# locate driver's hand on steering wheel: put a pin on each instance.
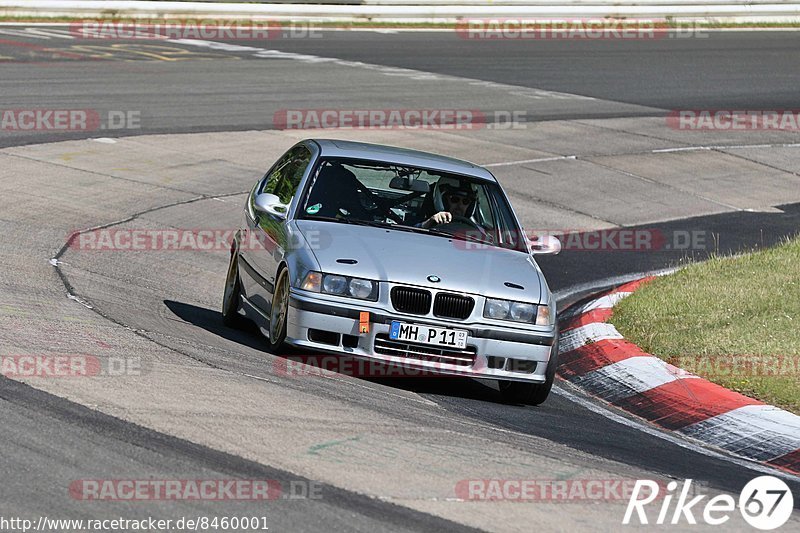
(442, 217)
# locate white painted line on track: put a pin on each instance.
(524, 161)
(79, 300)
(655, 151)
(36, 33)
(724, 147)
(420, 75)
(680, 149)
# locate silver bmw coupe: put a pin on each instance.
(396, 256)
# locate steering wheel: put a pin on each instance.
(381, 205)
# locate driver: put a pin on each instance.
(457, 200)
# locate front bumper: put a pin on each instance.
(512, 354)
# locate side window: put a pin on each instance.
(285, 177)
(509, 233)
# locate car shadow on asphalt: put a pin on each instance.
(250, 336)
(211, 321)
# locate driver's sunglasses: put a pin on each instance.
(465, 200)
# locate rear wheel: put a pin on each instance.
(232, 295)
(279, 311)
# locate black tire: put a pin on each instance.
(280, 303)
(232, 295)
(532, 393)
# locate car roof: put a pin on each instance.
(400, 156)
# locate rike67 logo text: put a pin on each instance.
(765, 503)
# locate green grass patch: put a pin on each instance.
(733, 320)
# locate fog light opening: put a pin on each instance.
(323, 337)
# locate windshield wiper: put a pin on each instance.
(344, 220)
(357, 222)
(388, 225)
(400, 227)
(462, 236)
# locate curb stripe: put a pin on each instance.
(596, 355)
(630, 377)
(760, 432)
(633, 285)
(606, 301)
(595, 315)
(588, 334)
(677, 404)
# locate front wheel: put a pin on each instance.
(525, 393)
(279, 311)
(232, 295)
(532, 393)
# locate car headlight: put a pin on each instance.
(497, 309)
(521, 312)
(517, 312)
(363, 289)
(334, 284)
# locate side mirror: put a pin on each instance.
(545, 245)
(271, 205)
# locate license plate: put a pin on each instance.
(450, 338)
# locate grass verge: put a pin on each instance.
(732, 320)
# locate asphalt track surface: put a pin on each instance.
(180, 88)
(725, 70)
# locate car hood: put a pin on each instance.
(411, 258)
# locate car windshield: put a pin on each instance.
(409, 199)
